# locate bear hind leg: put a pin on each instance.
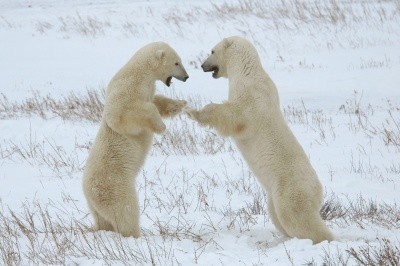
(99, 222)
(125, 217)
(304, 224)
(274, 217)
(127, 223)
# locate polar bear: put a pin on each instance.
(132, 113)
(252, 116)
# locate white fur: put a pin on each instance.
(131, 114)
(253, 118)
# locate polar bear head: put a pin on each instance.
(232, 52)
(163, 61)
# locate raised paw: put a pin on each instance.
(209, 108)
(158, 126)
(198, 116)
(175, 107)
(202, 116)
(192, 113)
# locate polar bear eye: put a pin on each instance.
(212, 51)
(176, 64)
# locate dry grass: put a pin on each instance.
(57, 232)
(46, 153)
(88, 106)
(184, 137)
(90, 26)
(385, 253)
(42, 233)
(391, 128)
(274, 18)
(361, 118)
(361, 212)
(181, 138)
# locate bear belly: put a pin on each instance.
(257, 158)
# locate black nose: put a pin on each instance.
(185, 78)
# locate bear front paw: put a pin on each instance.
(198, 116)
(176, 107)
(159, 127)
(192, 113)
(209, 108)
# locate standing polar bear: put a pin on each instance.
(253, 118)
(131, 115)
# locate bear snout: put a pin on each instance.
(182, 78)
(206, 68)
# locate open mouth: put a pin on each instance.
(181, 78)
(168, 81)
(215, 70)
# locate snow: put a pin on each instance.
(339, 79)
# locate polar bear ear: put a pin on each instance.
(227, 43)
(160, 54)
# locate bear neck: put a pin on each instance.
(244, 69)
(136, 77)
(243, 66)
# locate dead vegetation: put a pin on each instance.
(272, 17)
(384, 252)
(184, 138)
(42, 233)
(62, 161)
(88, 106)
(181, 138)
(59, 232)
(361, 212)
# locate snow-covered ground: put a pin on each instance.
(336, 65)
